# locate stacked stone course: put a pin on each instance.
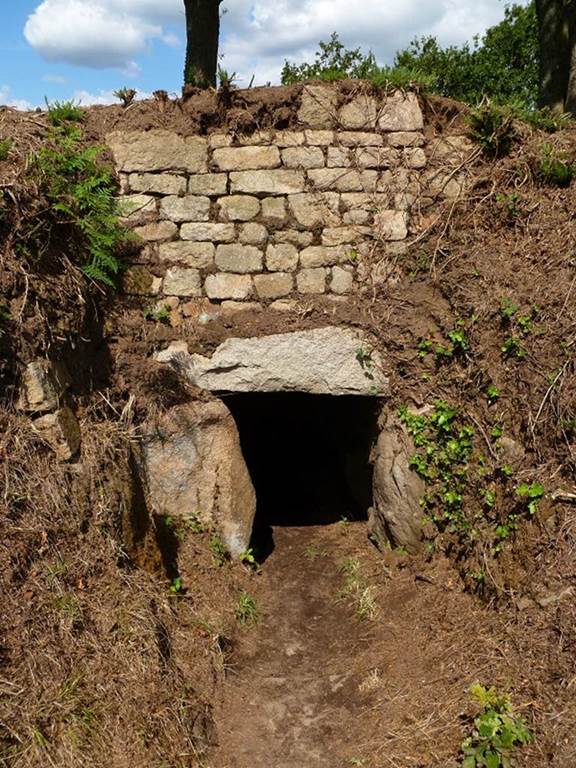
(275, 213)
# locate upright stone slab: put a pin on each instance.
(194, 467)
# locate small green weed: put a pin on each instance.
(497, 731)
(507, 309)
(532, 493)
(492, 394)
(246, 610)
(125, 95)
(313, 552)
(159, 314)
(547, 119)
(554, 167)
(356, 591)
(513, 347)
(5, 147)
(248, 558)
(364, 357)
(62, 112)
(510, 205)
(176, 586)
(227, 80)
(492, 127)
(218, 549)
(458, 344)
(496, 431)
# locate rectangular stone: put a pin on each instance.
(303, 157)
(322, 256)
(181, 281)
(158, 150)
(342, 279)
(188, 208)
(311, 280)
(217, 140)
(156, 231)
(405, 139)
(318, 106)
(198, 255)
(239, 258)
(376, 157)
(238, 207)
(360, 113)
(210, 184)
(273, 286)
(216, 233)
(391, 225)
(254, 139)
(159, 183)
(344, 235)
(415, 158)
(319, 138)
(343, 179)
(360, 139)
(276, 182)
(289, 139)
(274, 211)
(135, 207)
(401, 112)
(315, 210)
(227, 286)
(282, 257)
(246, 158)
(294, 237)
(253, 234)
(338, 157)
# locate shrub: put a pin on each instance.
(497, 731)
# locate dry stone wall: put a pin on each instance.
(279, 213)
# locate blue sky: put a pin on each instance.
(84, 49)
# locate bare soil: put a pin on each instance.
(315, 682)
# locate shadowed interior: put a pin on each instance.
(308, 456)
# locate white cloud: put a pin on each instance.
(58, 79)
(260, 35)
(8, 100)
(87, 99)
(94, 33)
(257, 35)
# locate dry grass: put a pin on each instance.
(102, 665)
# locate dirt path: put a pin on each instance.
(313, 685)
(294, 693)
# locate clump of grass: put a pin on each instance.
(246, 610)
(5, 147)
(553, 167)
(360, 595)
(125, 95)
(492, 127)
(62, 112)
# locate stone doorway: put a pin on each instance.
(308, 457)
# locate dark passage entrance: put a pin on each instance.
(308, 456)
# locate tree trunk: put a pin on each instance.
(202, 31)
(555, 24)
(570, 102)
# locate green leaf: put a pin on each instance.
(492, 760)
